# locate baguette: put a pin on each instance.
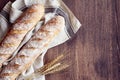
(35, 46)
(21, 27)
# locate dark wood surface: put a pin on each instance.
(95, 51)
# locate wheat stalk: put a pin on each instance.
(56, 69)
(51, 67)
(48, 65)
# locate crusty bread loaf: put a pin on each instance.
(21, 27)
(28, 54)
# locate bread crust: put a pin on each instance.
(35, 46)
(20, 28)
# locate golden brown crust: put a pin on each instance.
(21, 27)
(28, 54)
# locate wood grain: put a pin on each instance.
(95, 51)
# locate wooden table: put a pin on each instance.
(95, 51)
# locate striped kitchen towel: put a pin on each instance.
(12, 11)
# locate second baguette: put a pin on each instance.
(33, 49)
